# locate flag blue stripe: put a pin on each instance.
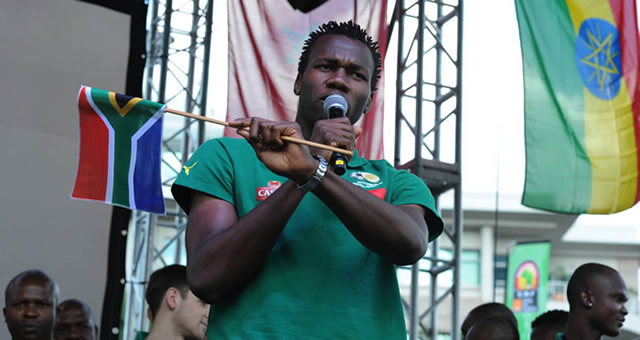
(147, 182)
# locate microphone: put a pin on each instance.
(336, 106)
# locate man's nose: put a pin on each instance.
(31, 311)
(624, 310)
(337, 80)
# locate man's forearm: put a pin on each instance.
(220, 263)
(400, 234)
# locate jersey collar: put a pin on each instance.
(356, 160)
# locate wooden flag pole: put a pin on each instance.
(286, 138)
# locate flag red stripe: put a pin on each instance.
(624, 13)
(93, 163)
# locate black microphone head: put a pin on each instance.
(335, 106)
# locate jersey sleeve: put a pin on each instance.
(410, 189)
(209, 170)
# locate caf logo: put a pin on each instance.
(525, 293)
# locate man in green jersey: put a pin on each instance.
(280, 245)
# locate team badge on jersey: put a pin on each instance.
(263, 192)
(365, 180)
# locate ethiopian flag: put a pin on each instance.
(120, 146)
(582, 105)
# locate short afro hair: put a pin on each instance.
(349, 30)
(555, 319)
(583, 278)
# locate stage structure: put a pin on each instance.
(428, 113)
(428, 108)
(177, 69)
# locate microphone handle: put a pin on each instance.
(338, 160)
(339, 163)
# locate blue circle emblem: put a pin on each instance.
(598, 57)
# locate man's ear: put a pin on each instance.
(367, 106)
(172, 297)
(586, 299)
(297, 85)
(149, 314)
(357, 131)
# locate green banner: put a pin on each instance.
(527, 276)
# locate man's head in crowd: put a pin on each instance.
(30, 300)
(547, 325)
(597, 295)
(172, 305)
(75, 321)
(487, 310)
(493, 328)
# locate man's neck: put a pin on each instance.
(163, 328)
(578, 330)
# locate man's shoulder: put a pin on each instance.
(358, 161)
(141, 335)
(225, 148)
(382, 167)
(226, 142)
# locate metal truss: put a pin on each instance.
(177, 69)
(428, 110)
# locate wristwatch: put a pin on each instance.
(317, 177)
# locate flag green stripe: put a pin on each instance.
(124, 127)
(558, 173)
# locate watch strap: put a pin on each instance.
(317, 177)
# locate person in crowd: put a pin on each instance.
(493, 328)
(547, 325)
(30, 300)
(74, 321)
(597, 295)
(488, 310)
(279, 243)
(174, 311)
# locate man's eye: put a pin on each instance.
(358, 75)
(324, 67)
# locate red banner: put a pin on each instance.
(265, 41)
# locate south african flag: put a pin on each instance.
(120, 146)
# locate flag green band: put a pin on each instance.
(558, 171)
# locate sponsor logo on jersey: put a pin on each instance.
(188, 168)
(263, 192)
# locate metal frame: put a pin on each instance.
(179, 33)
(421, 37)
